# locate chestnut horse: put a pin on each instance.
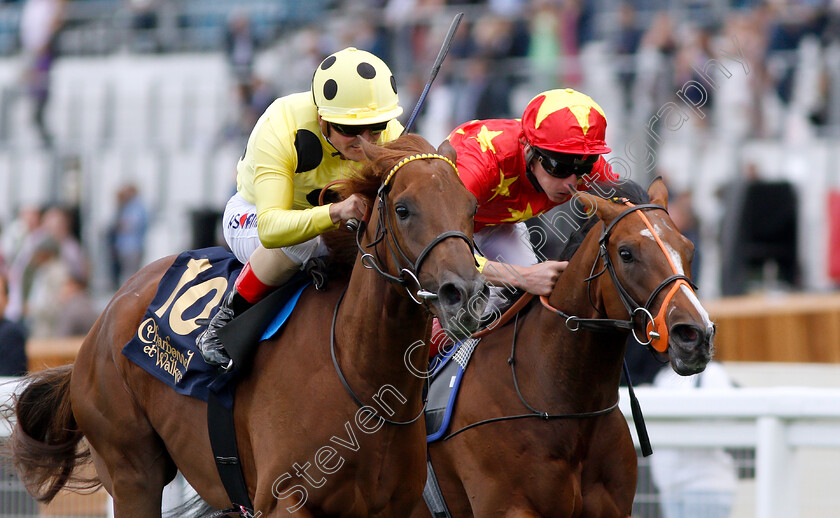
(304, 443)
(565, 449)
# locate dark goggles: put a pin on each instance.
(353, 131)
(561, 165)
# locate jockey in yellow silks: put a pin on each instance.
(302, 142)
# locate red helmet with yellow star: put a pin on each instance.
(565, 121)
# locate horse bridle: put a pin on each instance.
(385, 226)
(399, 257)
(574, 323)
(656, 330)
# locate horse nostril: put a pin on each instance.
(688, 335)
(450, 294)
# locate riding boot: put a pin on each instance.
(247, 291)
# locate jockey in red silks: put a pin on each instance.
(302, 142)
(518, 169)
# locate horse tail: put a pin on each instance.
(45, 441)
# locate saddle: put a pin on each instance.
(190, 291)
(443, 387)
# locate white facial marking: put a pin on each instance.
(699, 307)
(675, 257)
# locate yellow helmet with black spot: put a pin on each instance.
(355, 87)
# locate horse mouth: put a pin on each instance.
(687, 369)
(459, 306)
(686, 362)
(690, 348)
(460, 326)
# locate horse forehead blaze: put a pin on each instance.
(676, 258)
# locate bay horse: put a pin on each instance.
(304, 444)
(555, 444)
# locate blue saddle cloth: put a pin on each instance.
(164, 344)
(443, 387)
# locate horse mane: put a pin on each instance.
(380, 161)
(629, 189)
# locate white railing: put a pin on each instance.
(776, 422)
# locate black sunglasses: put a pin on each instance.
(568, 165)
(353, 131)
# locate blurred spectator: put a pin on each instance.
(262, 95)
(483, 91)
(12, 338)
(39, 27)
(692, 56)
(77, 313)
(481, 94)
(625, 44)
(54, 232)
(759, 247)
(127, 235)
(694, 482)
(240, 50)
(19, 232)
(56, 223)
(784, 34)
(46, 274)
(544, 49)
(366, 32)
(506, 8)
(28, 227)
(654, 69)
(144, 25)
(746, 117)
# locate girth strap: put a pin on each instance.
(221, 425)
(433, 495)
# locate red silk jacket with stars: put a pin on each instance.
(491, 163)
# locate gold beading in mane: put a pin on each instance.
(412, 158)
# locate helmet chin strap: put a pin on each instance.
(327, 138)
(529, 156)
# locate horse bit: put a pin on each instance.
(656, 330)
(575, 323)
(370, 261)
(399, 257)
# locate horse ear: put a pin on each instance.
(605, 209)
(372, 151)
(658, 192)
(446, 149)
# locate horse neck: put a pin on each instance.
(573, 368)
(376, 324)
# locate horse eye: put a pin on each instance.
(402, 211)
(625, 255)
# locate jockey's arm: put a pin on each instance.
(538, 279)
(277, 223)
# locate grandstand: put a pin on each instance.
(164, 118)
